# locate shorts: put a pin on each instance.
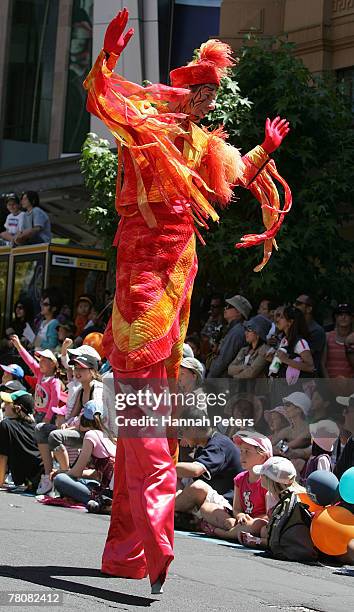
(58, 439)
(213, 497)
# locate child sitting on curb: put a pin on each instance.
(98, 452)
(249, 504)
(277, 475)
(323, 436)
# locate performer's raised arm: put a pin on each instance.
(117, 101)
(259, 170)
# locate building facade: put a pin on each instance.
(323, 30)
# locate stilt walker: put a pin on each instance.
(173, 171)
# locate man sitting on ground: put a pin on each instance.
(210, 475)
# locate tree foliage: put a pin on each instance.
(316, 159)
(99, 167)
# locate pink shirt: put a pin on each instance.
(47, 391)
(252, 495)
(102, 445)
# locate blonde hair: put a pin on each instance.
(261, 451)
(96, 375)
(277, 488)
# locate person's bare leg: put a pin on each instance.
(193, 495)
(216, 516)
(257, 525)
(234, 532)
(46, 458)
(62, 457)
(228, 534)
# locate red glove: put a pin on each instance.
(275, 131)
(115, 41)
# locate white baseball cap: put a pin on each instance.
(345, 400)
(191, 363)
(187, 350)
(254, 439)
(46, 353)
(278, 469)
(84, 349)
(324, 433)
(299, 399)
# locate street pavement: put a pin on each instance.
(57, 550)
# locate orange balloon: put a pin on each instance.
(332, 529)
(305, 499)
(95, 340)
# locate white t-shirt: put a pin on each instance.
(14, 223)
(299, 348)
(324, 463)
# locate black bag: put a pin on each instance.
(288, 531)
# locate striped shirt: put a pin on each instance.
(337, 363)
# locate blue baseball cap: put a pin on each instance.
(91, 408)
(13, 369)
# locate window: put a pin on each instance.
(77, 119)
(194, 22)
(30, 70)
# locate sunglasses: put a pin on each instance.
(45, 303)
(228, 306)
(249, 329)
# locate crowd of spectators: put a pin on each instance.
(289, 409)
(26, 222)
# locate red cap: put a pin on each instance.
(210, 66)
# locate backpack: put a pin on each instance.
(288, 531)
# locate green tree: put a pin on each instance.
(316, 159)
(99, 167)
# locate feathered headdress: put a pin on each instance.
(213, 59)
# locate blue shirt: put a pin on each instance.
(221, 458)
(37, 218)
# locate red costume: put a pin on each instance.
(173, 170)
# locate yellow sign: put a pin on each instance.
(92, 264)
(79, 262)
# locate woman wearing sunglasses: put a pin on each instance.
(47, 335)
(250, 361)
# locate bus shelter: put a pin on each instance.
(26, 270)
